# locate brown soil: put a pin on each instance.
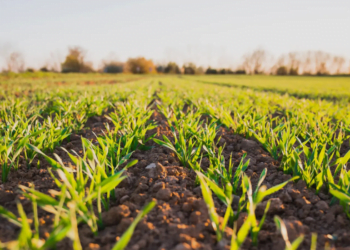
(180, 219)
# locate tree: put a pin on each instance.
(321, 59)
(240, 72)
(160, 68)
(219, 71)
(294, 63)
(200, 71)
(282, 71)
(75, 61)
(307, 63)
(54, 62)
(190, 69)
(30, 70)
(44, 69)
(222, 71)
(338, 64)
(211, 71)
(140, 65)
(253, 62)
(172, 68)
(113, 67)
(15, 62)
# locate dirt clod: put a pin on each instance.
(322, 205)
(183, 246)
(164, 194)
(114, 215)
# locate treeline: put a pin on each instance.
(258, 62)
(295, 63)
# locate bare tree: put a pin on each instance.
(338, 64)
(307, 63)
(253, 62)
(55, 61)
(282, 61)
(280, 67)
(15, 62)
(294, 63)
(321, 59)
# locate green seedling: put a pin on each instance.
(283, 229)
(219, 227)
(187, 151)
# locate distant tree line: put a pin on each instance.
(257, 62)
(295, 63)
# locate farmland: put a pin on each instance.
(94, 161)
(328, 87)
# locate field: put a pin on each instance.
(94, 161)
(327, 87)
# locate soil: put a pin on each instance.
(180, 220)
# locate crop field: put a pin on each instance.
(97, 161)
(326, 88)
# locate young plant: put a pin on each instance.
(187, 151)
(283, 229)
(83, 186)
(6, 160)
(257, 196)
(29, 240)
(219, 227)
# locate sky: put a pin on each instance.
(216, 33)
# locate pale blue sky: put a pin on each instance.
(205, 32)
